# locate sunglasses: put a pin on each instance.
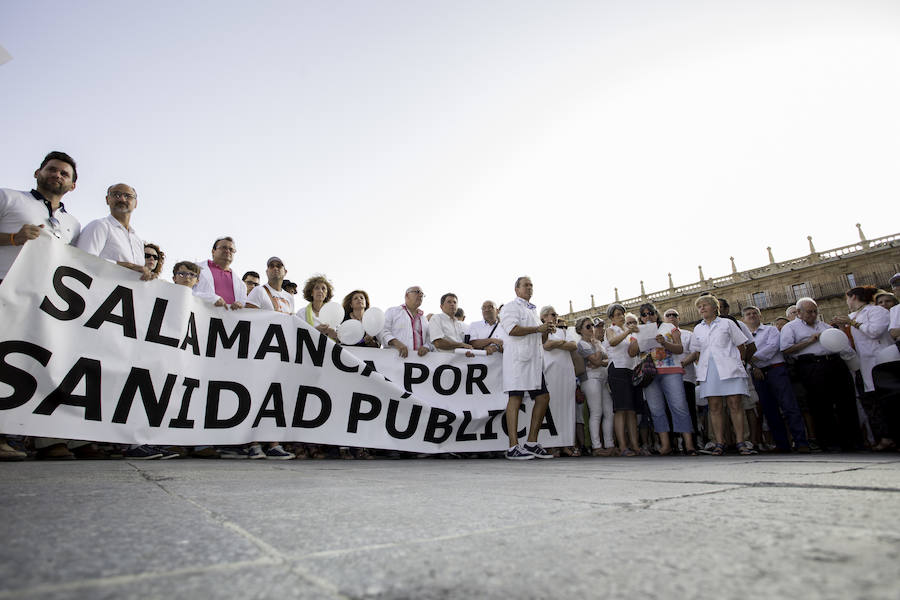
(153, 256)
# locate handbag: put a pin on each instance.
(642, 375)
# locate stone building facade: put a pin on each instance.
(825, 276)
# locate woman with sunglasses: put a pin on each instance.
(667, 387)
(593, 385)
(153, 258)
(622, 352)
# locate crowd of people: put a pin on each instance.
(643, 384)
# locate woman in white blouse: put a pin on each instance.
(622, 351)
(868, 325)
(593, 384)
(720, 371)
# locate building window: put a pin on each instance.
(800, 290)
(760, 300)
(851, 280)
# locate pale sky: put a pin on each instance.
(457, 145)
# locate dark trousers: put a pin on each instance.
(690, 394)
(776, 392)
(832, 400)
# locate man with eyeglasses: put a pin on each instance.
(828, 383)
(113, 237)
(405, 326)
(185, 273)
(23, 216)
(217, 282)
(251, 280)
(487, 335)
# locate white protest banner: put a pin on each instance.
(88, 351)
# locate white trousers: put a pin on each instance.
(600, 405)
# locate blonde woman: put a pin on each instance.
(721, 372)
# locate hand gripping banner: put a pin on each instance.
(88, 351)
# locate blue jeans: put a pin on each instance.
(668, 388)
(776, 391)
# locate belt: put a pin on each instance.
(767, 367)
(813, 358)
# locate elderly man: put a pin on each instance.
(445, 331)
(23, 215)
(523, 369)
(217, 283)
(829, 386)
(773, 385)
(113, 237)
(405, 326)
(487, 334)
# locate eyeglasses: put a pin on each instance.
(416, 292)
(553, 314)
(252, 283)
(648, 314)
(185, 274)
(153, 256)
(672, 315)
(121, 195)
(589, 326)
(231, 249)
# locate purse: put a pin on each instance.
(642, 375)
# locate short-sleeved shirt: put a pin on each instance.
(109, 239)
(442, 326)
(797, 331)
(481, 330)
(22, 208)
(586, 349)
(618, 354)
(522, 354)
(719, 340)
(687, 339)
(284, 300)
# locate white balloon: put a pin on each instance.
(332, 314)
(834, 340)
(350, 332)
(373, 321)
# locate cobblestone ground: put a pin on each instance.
(818, 526)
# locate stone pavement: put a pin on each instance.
(817, 526)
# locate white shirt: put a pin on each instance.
(690, 371)
(523, 359)
(719, 340)
(870, 337)
(398, 324)
(259, 298)
(21, 208)
(447, 328)
(586, 349)
(797, 331)
(109, 239)
(481, 330)
(618, 354)
(768, 346)
(205, 287)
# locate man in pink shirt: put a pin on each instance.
(217, 282)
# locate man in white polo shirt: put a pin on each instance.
(23, 216)
(487, 335)
(523, 369)
(270, 295)
(829, 385)
(444, 329)
(113, 237)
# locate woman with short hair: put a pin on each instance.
(593, 385)
(622, 352)
(317, 291)
(720, 371)
(667, 387)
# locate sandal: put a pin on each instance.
(718, 450)
(691, 452)
(576, 452)
(628, 452)
(746, 449)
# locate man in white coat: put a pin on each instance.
(523, 371)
